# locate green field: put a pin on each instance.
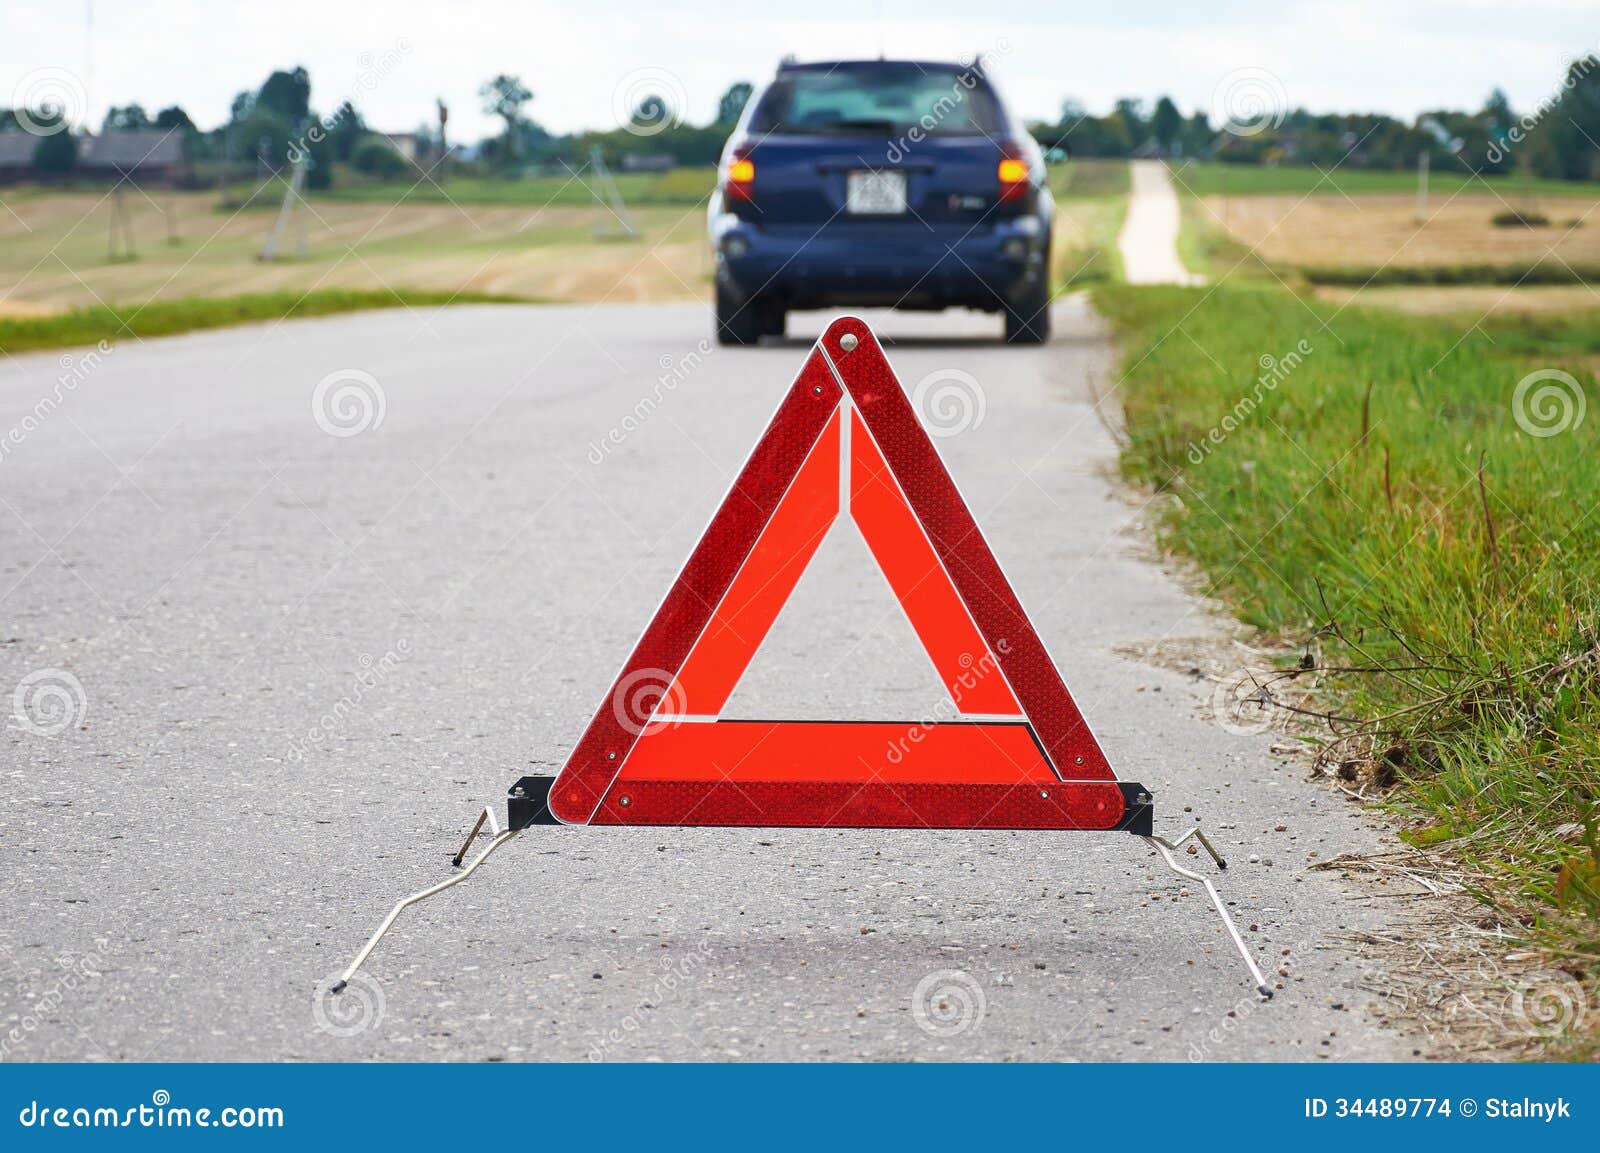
(1091, 203)
(1382, 510)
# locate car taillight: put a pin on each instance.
(1013, 175)
(740, 182)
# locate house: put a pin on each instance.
(408, 144)
(145, 154)
(148, 155)
(16, 156)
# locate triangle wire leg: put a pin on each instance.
(405, 902)
(1165, 848)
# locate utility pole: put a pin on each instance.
(291, 196)
(1422, 186)
(613, 194)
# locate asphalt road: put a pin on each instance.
(306, 659)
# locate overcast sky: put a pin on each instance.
(586, 62)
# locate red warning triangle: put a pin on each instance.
(1019, 754)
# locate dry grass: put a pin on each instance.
(54, 251)
(1473, 301)
(1372, 231)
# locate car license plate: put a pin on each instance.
(875, 193)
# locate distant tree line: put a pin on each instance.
(1558, 138)
(277, 123)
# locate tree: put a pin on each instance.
(125, 119)
(504, 97)
(345, 130)
(1131, 113)
(1166, 123)
(378, 158)
(288, 94)
(651, 112)
(175, 117)
(57, 152)
(733, 102)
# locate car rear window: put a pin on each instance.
(879, 98)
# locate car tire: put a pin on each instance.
(775, 321)
(738, 322)
(1028, 316)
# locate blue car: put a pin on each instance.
(880, 183)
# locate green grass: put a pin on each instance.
(163, 318)
(1212, 179)
(1454, 614)
(1089, 178)
(1545, 272)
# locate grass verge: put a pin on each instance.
(166, 317)
(1544, 272)
(1391, 494)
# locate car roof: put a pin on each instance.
(830, 65)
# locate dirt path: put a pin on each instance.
(1149, 239)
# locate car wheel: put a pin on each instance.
(775, 321)
(738, 322)
(1028, 316)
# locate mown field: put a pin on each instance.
(546, 238)
(1212, 179)
(1360, 236)
(1421, 535)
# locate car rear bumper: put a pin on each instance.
(898, 265)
